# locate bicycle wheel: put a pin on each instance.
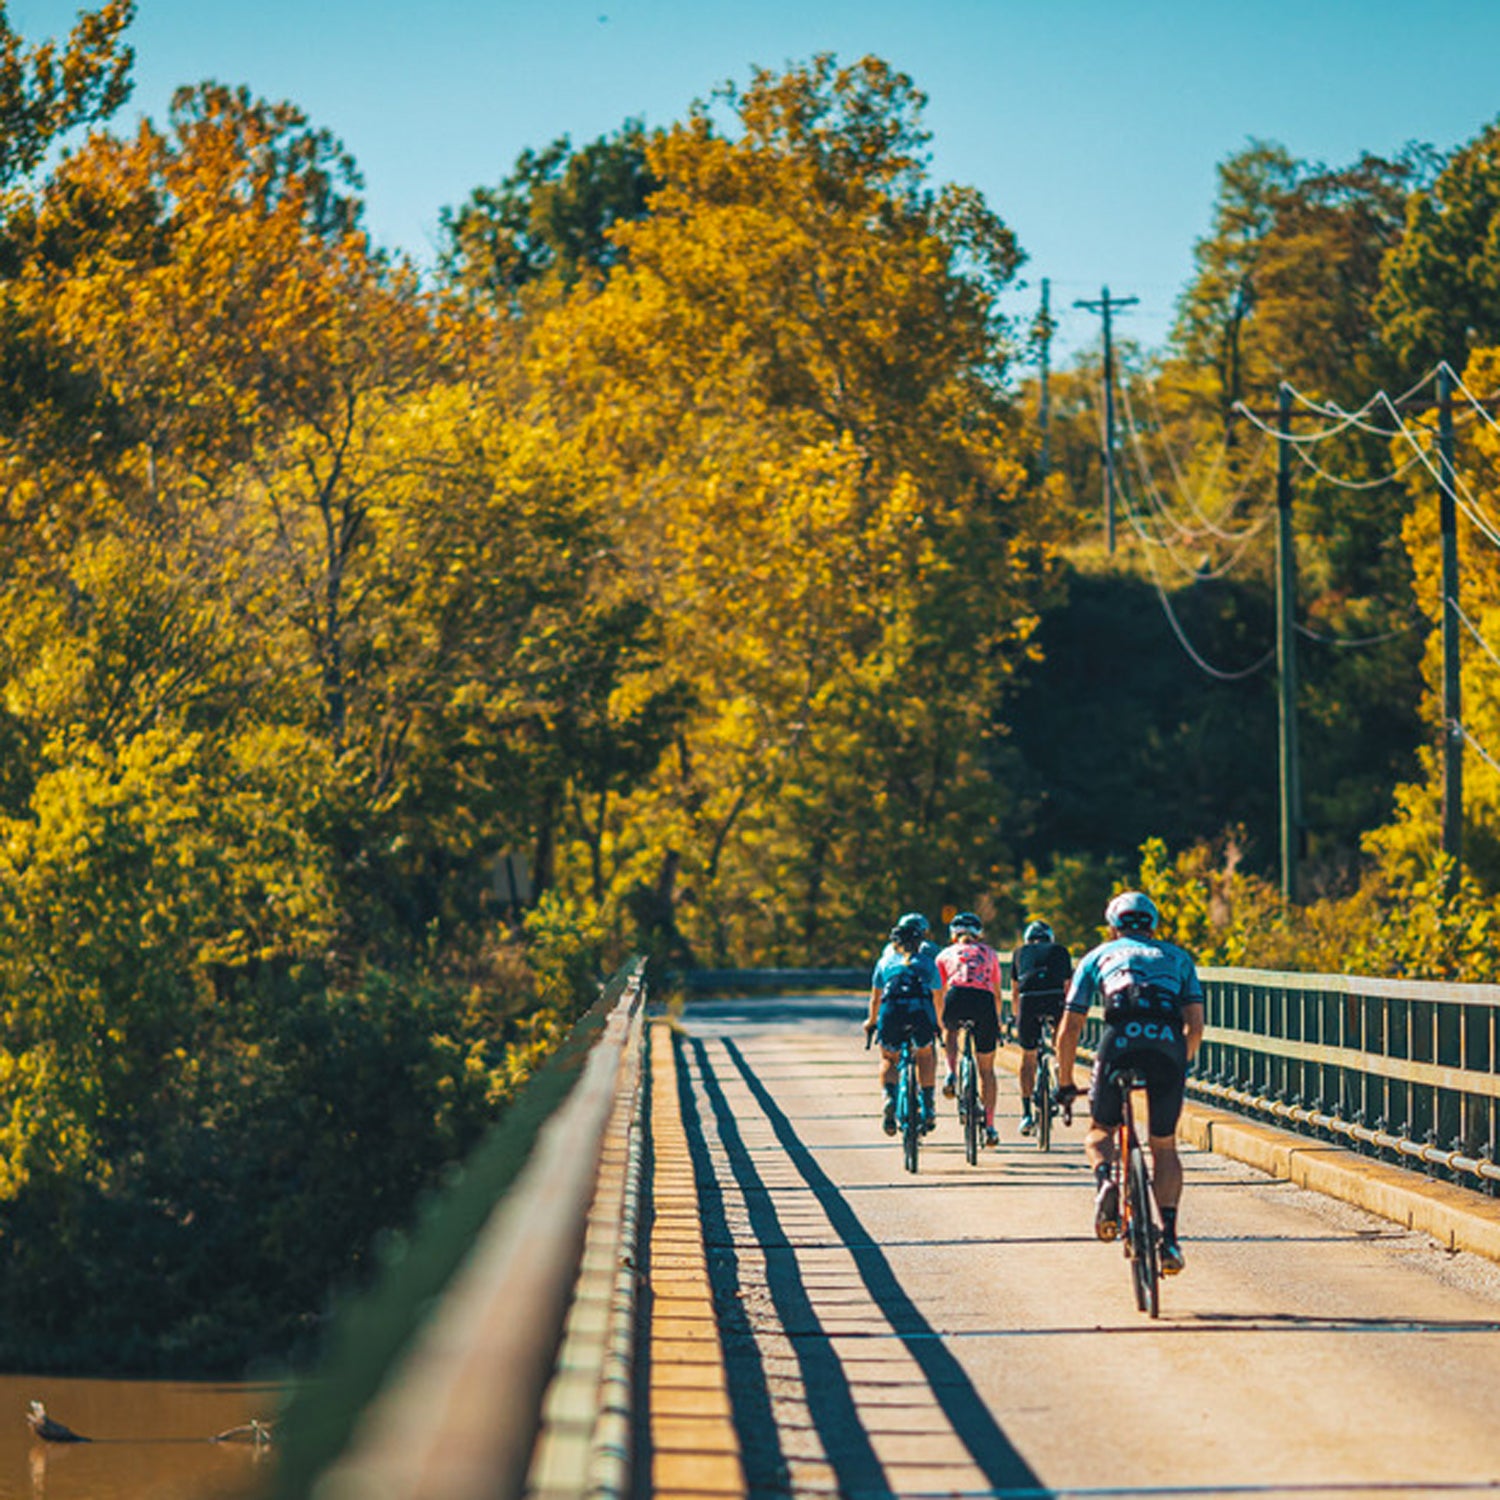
(1143, 1257)
(1041, 1102)
(973, 1114)
(911, 1116)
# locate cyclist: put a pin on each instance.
(970, 974)
(1039, 973)
(1153, 1020)
(901, 990)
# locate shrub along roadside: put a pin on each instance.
(372, 1331)
(284, 1148)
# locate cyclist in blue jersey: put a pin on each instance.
(1153, 1021)
(902, 985)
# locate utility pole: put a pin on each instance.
(1044, 340)
(1104, 306)
(1453, 735)
(1286, 650)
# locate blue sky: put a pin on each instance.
(1092, 128)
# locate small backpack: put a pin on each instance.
(906, 987)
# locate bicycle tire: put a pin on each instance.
(973, 1114)
(911, 1116)
(1041, 1102)
(1143, 1258)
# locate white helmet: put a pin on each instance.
(1132, 911)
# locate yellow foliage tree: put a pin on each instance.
(1409, 846)
(789, 389)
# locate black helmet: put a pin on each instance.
(909, 931)
(1037, 932)
(965, 922)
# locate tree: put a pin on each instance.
(201, 276)
(1283, 293)
(551, 216)
(44, 93)
(1283, 286)
(1440, 285)
(1408, 847)
(790, 390)
(1214, 310)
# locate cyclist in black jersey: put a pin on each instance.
(1040, 969)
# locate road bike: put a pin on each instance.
(1139, 1231)
(908, 1099)
(970, 1109)
(1043, 1105)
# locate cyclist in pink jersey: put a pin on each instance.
(970, 972)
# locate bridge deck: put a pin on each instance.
(827, 1323)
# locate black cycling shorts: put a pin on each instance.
(1034, 1008)
(966, 1003)
(893, 1023)
(1165, 1070)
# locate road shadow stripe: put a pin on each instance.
(745, 1375)
(971, 1420)
(826, 1389)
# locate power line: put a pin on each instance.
(1473, 630)
(1187, 645)
(1447, 480)
(1156, 495)
(1473, 744)
(1219, 461)
(1350, 643)
(1309, 462)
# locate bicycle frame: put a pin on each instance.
(908, 1103)
(1042, 1105)
(908, 1099)
(970, 1104)
(1139, 1233)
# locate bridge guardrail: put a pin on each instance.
(783, 981)
(521, 1348)
(1405, 1069)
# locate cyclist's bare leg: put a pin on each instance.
(887, 1069)
(987, 1085)
(1099, 1146)
(1166, 1171)
(1026, 1079)
(950, 1045)
(927, 1066)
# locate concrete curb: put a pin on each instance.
(1455, 1217)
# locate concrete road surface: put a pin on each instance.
(962, 1332)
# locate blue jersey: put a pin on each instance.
(891, 959)
(1114, 970)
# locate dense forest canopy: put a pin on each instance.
(684, 538)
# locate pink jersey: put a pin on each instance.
(970, 965)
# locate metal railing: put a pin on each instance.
(1400, 1068)
(1404, 1069)
(750, 981)
(517, 1375)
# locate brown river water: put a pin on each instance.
(151, 1440)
